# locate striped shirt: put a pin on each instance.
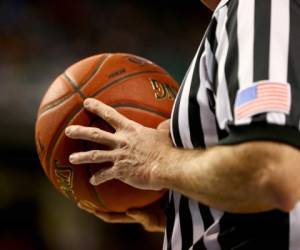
(243, 84)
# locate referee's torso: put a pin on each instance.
(250, 46)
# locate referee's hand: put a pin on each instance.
(151, 217)
(138, 153)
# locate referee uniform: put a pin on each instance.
(243, 85)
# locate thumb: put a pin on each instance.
(165, 125)
(138, 215)
(148, 221)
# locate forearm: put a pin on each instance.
(249, 177)
(231, 178)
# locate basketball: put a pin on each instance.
(135, 87)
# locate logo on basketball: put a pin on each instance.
(163, 90)
(64, 176)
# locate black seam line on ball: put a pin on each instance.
(54, 104)
(97, 68)
(58, 134)
(93, 189)
(99, 65)
(74, 85)
(125, 78)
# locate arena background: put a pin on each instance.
(38, 40)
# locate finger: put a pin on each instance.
(103, 175)
(93, 156)
(93, 134)
(149, 221)
(114, 217)
(107, 113)
(89, 210)
(138, 216)
(165, 125)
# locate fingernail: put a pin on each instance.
(68, 131)
(87, 102)
(71, 158)
(132, 212)
(93, 180)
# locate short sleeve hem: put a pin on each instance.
(262, 132)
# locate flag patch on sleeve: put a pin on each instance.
(262, 97)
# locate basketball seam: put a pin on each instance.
(97, 195)
(88, 170)
(53, 142)
(74, 85)
(54, 104)
(109, 84)
(94, 72)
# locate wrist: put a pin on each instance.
(168, 169)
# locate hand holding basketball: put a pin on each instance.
(136, 88)
(135, 150)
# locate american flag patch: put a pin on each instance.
(262, 97)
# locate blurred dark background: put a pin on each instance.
(38, 40)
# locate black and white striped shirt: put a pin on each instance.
(248, 44)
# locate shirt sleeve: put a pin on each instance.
(257, 79)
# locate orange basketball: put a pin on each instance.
(137, 88)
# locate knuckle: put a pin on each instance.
(94, 155)
(96, 105)
(119, 174)
(106, 114)
(132, 127)
(105, 219)
(78, 130)
(122, 143)
(120, 155)
(101, 175)
(94, 134)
